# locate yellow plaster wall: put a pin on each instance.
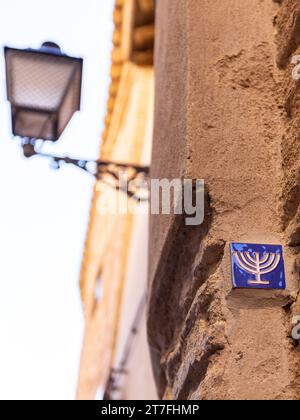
(110, 240)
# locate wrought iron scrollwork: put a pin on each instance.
(126, 177)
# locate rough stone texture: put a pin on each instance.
(226, 111)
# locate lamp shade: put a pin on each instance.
(44, 89)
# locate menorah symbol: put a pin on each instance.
(253, 264)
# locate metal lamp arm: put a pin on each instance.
(97, 168)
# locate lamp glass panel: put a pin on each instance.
(34, 125)
(37, 81)
(70, 102)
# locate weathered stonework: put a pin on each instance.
(228, 111)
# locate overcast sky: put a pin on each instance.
(44, 213)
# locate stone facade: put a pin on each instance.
(227, 110)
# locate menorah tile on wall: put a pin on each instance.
(256, 266)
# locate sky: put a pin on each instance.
(44, 213)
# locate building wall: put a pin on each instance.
(226, 111)
(138, 384)
(115, 361)
(114, 248)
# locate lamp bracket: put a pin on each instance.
(119, 176)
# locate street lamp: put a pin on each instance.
(44, 90)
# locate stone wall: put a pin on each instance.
(227, 111)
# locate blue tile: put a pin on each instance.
(256, 266)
